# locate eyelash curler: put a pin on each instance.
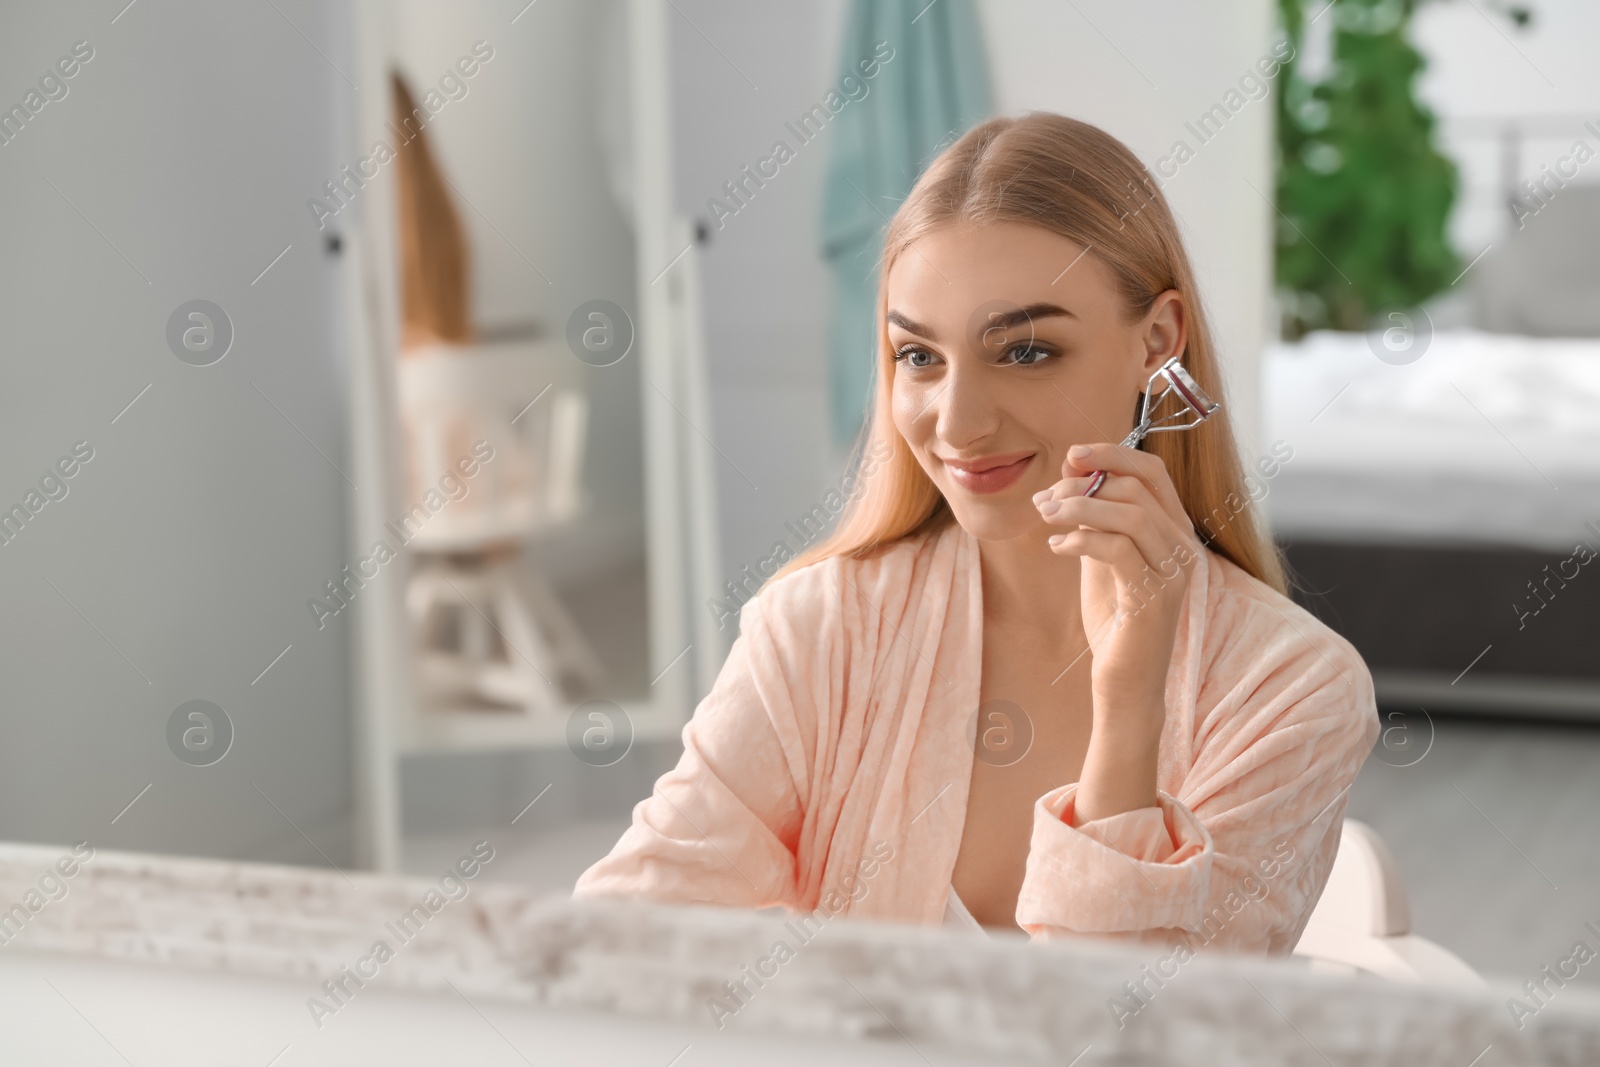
(1197, 408)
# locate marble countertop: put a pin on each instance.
(839, 979)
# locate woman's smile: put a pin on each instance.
(989, 474)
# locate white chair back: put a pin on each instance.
(460, 403)
(1362, 922)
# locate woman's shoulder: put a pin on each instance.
(810, 595)
(1262, 646)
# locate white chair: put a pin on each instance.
(490, 626)
(1363, 920)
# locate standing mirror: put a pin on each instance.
(529, 387)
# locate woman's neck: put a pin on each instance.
(1025, 583)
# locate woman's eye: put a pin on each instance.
(1026, 355)
(914, 357)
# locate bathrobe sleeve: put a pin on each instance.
(1240, 856)
(723, 826)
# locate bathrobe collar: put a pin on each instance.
(939, 626)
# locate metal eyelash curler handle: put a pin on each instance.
(1196, 402)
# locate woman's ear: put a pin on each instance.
(1165, 332)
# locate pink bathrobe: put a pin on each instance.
(828, 769)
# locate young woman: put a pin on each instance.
(987, 695)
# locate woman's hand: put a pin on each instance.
(1138, 549)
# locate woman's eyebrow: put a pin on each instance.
(1002, 320)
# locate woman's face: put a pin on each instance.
(1011, 345)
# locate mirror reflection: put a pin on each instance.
(1086, 476)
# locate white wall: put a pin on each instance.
(740, 71)
(179, 564)
(1481, 68)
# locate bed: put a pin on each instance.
(1442, 511)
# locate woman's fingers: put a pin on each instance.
(1064, 488)
(1124, 460)
(1125, 490)
(1112, 549)
(1151, 540)
(1126, 508)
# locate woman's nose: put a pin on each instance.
(966, 407)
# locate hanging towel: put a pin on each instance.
(933, 87)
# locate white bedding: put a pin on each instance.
(1486, 438)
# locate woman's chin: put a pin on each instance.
(996, 521)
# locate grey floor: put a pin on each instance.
(1494, 825)
(549, 861)
(1492, 822)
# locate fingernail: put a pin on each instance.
(1050, 507)
(1057, 539)
(1078, 452)
(1042, 495)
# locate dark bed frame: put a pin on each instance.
(1439, 626)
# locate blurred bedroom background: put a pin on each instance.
(581, 350)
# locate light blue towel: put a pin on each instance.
(933, 88)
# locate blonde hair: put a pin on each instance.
(435, 267)
(1078, 181)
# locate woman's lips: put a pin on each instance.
(989, 475)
